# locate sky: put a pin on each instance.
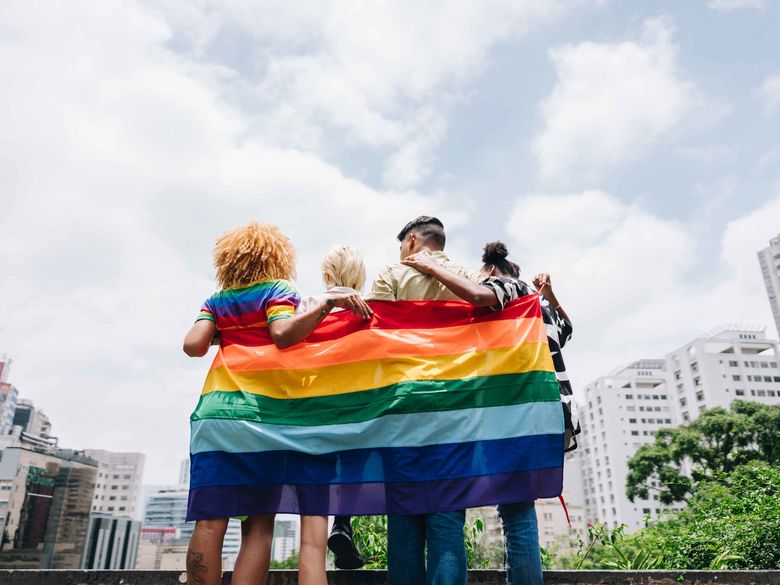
(631, 150)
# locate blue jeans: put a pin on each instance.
(521, 537)
(407, 537)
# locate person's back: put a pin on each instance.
(439, 534)
(404, 283)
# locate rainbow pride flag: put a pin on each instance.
(430, 406)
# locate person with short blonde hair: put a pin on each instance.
(344, 266)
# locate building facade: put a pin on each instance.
(769, 260)
(45, 503)
(165, 527)
(621, 412)
(112, 543)
(118, 489)
(732, 362)
(9, 396)
(33, 421)
(624, 410)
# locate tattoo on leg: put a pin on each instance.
(195, 567)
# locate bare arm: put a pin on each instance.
(198, 338)
(544, 286)
(460, 286)
(287, 332)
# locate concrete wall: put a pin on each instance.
(12, 577)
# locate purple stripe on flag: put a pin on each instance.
(375, 498)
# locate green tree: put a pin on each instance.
(719, 441)
(370, 536)
(732, 521)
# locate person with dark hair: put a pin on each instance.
(500, 284)
(403, 283)
(439, 535)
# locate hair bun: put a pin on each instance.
(495, 252)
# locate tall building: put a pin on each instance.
(624, 410)
(5, 365)
(112, 543)
(728, 363)
(184, 472)
(8, 397)
(286, 530)
(166, 527)
(33, 421)
(45, 503)
(769, 259)
(554, 528)
(118, 489)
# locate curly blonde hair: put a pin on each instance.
(253, 252)
(344, 266)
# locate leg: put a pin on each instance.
(406, 550)
(446, 548)
(314, 539)
(204, 555)
(521, 535)
(254, 556)
(342, 545)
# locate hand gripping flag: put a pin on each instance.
(430, 406)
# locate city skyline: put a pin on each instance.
(622, 147)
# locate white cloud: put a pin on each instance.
(120, 163)
(731, 5)
(629, 278)
(769, 93)
(610, 103)
(373, 74)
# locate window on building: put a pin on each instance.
(685, 416)
(635, 433)
(736, 377)
(761, 392)
(700, 395)
(739, 392)
(683, 401)
(752, 392)
(632, 420)
(733, 363)
(767, 378)
(771, 393)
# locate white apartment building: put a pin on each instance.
(118, 488)
(624, 410)
(287, 527)
(621, 412)
(769, 259)
(552, 523)
(731, 362)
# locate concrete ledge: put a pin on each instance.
(33, 577)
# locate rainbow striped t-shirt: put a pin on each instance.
(250, 307)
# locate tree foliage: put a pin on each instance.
(719, 441)
(370, 536)
(732, 521)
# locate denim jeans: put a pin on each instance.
(521, 537)
(407, 537)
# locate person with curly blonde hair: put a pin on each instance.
(254, 265)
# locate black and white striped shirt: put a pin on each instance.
(559, 332)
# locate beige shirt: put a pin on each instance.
(404, 283)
